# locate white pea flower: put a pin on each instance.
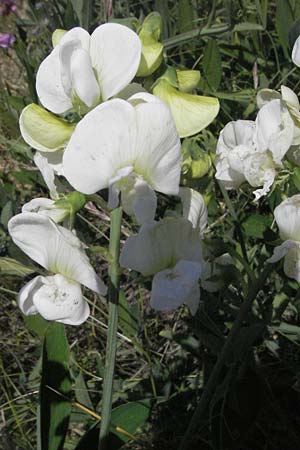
(83, 70)
(130, 147)
(274, 129)
(287, 216)
(47, 207)
(235, 141)
(171, 251)
(194, 208)
(56, 297)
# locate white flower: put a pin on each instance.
(58, 250)
(171, 251)
(287, 216)
(194, 208)
(86, 70)
(235, 142)
(130, 147)
(274, 129)
(47, 207)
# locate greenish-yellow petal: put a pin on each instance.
(152, 49)
(43, 130)
(57, 35)
(191, 113)
(188, 79)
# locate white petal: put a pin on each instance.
(83, 79)
(48, 170)
(274, 129)
(282, 250)
(291, 264)
(290, 98)
(173, 287)
(55, 248)
(66, 51)
(158, 147)
(102, 143)
(287, 216)
(25, 295)
(264, 96)
(49, 85)
(115, 51)
(240, 132)
(46, 207)
(79, 34)
(229, 177)
(194, 208)
(296, 52)
(61, 300)
(161, 245)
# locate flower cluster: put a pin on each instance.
(96, 130)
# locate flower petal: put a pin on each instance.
(102, 143)
(158, 157)
(287, 216)
(192, 113)
(296, 52)
(55, 248)
(43, 130)
(264, 96)
(25, 300)
(49, 164)
(49, 85)
(274, 129)
(61, 300)
(83, 78)
(282, 250)
(160, 245)
(173, 287)
(291, 264)
(194, 208)
(115, 52)
(46, 207)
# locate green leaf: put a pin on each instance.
(248, 26)
(9, 266)
(54, 410)
(128, 316)
(212, 64)
(284, 21)
(7, 213)
(255, 225)
(37, 324)
(186, 16)
(130, 417)
(81, 392)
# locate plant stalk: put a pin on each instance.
(111, 345)
(214, 377)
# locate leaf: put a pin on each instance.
(129, 417)
(186, 16)
(37, 324)
(248, 26)
(9, 266)
(128, 316)
(7, 213)
(81, 392)
(284, 21)
(54, 410)
(212, 64)
(255, 225)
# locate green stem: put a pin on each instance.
(111, 346)
(215, 374)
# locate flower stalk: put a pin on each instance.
(111, 345)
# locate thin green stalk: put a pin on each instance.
(215, 374)
(111, 346)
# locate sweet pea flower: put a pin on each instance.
(238, 160)
(287, 216)
(56, 297)
(83, 70)
(130, 147)
(296, 52)
(6, 40)
(171, 251)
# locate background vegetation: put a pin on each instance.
(164, 359)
